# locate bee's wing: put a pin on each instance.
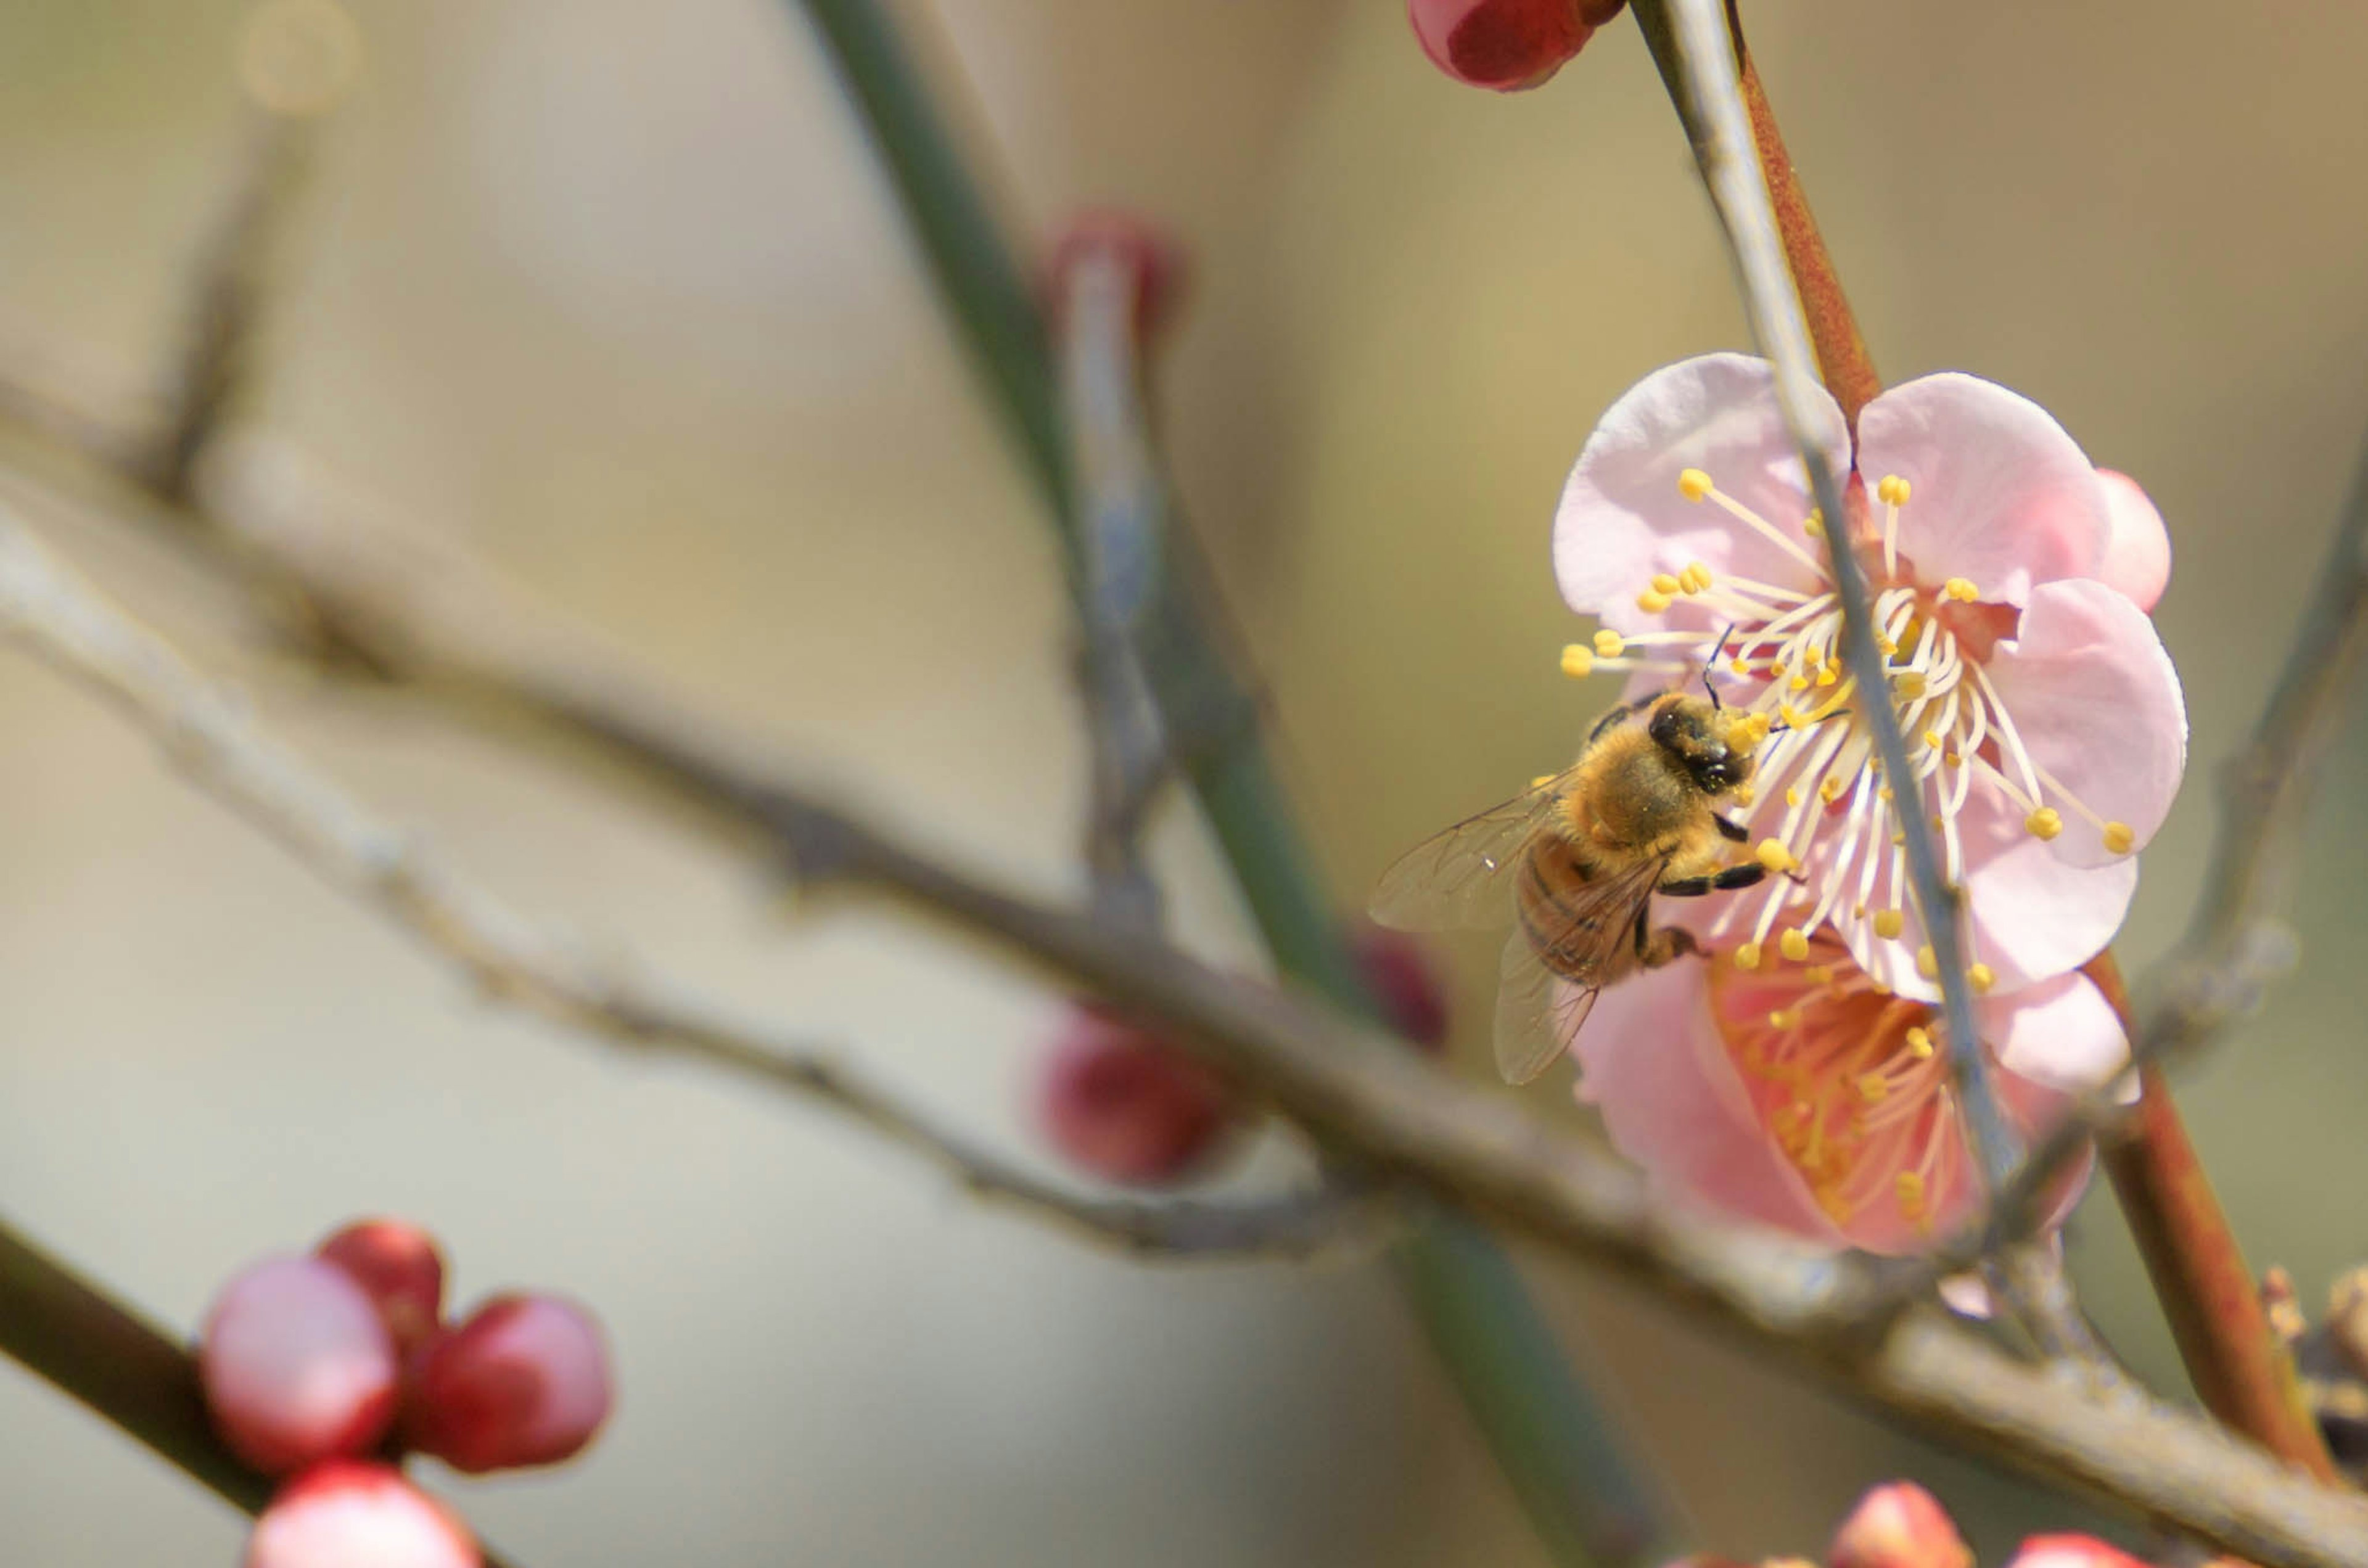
(1538, 1010)
(1463, 876)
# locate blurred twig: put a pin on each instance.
(210, 737)
(93, 1349)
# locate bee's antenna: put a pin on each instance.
(1716, 653)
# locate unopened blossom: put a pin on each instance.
(1151, 261)
(1899, 1525)
(2071, 1552)
(1403, 975)
(1812, 1097)
(400, 1268)
(346, 1513)
(1126, 1107)
(523, 1381)
(296, 1365)
(1506, 45)
(2044, 726)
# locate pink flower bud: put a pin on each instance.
(399, 1265)
(1506, 44)
(523, 1381)
(297, 1365)
(1152, 259)
(1899, 1526)
(2072, 1552)
(1126, 1107)
(2138, 549)
(344, 1514)
(1399, 971)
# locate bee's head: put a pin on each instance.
(1694, 734)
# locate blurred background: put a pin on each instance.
(611, 292)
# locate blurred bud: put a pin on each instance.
(523, 1381)
(1126, 1107)
(1399, 971)
(348, 1515)
(400, 1269)
(2282, 1306)
(2072, 1552)
(1506, 45)
(1150, 259)
(297, 1365)
(1899, 1526)
(2347, 1321)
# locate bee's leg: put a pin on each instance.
(1611, 721)
(1733, 831)
(1665, 946)
(1721, 881)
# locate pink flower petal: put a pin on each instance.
(1622, 518)
(2137, 556)
(344, 1514)
(2061, 1035)
(1899, 1526)
(1650, 1059)
(296, 1365)
(524, 1382)
(2098, 705)
(1998, 493)
(2072, 1552)
(401, 1267)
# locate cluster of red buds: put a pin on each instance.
(1506, 45)
(1900, 1524)
(326, 1369)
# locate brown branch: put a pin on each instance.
(212, 739)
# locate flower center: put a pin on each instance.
(1817, 802)
(1850, 1081)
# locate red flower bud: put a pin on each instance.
(1399, 972)
(1506, 44)
(1901, 1526)
(344, 1514)
(1128, 1108)
(399, 1265)
(2072, 1552)
(523, 1381)
(1152, 259)
(296, 1365)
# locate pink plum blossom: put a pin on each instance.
(2073, 1552)
(2044, 723)
(1811, 1097)
(400, 1268)
(1899, 1525)
(523, 1381)
(296, 1365)
(344, 1514)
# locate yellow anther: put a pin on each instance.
(1652, 601)
(1748, 956)
(1577, 662)
(1954, 758)
(1745, 794)
(1892, 491)
(1981, 977)
(1883, 794)
(1919, 1044)
(1799, 683)
(1609, 644)
(1884, 645)
(2044, 823)
(1794, 944)
(1908, 684)
(1873, 1088)
(1814, 525)
(1931, 740)
(1774, 855)
(1926, 964)
(1889, 922)
(1819, 973)
(1960, 590)
(1739, 664)
(2120, 838)
(1899, 838)
(1665, 584)
(1794, 718)
(1784, 1019)
(1830, 673)
(1829, 789)
(1877, 986)
(1791, 794)
(1909, 1188)
(1693, 484)
(1696, 578)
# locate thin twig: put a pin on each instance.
(1738, 188)
(211, 737)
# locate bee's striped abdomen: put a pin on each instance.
(1561, 922)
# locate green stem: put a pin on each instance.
(1554, 1440)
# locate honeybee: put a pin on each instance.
(1575, 862)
